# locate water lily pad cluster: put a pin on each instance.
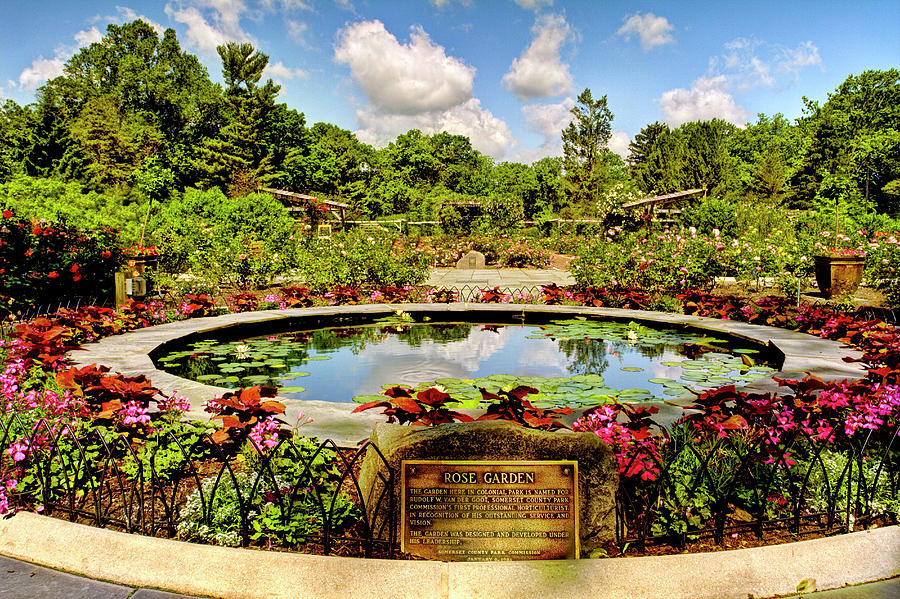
(712, 370)
(242, 363)
(632, 333)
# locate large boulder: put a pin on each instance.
(493, 440)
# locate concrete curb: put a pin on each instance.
(232, 573)
(130, 353)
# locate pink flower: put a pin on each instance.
(135, 414)
(18, 451)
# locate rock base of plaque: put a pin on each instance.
(496, 440)
(472, 261)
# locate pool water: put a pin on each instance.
(572, 362)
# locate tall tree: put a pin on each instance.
(584, 140)
(237, 159)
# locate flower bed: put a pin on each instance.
(741, 464)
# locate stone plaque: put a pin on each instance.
(472, 261)
(490, 511)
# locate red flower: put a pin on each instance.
(76, 277)
(7, 214)
(106, 254)
(52, 274)
(74, 268)
(29, 251)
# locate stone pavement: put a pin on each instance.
(505, 278)
(22, 580)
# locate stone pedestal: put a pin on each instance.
(493, 441)
(471, 261)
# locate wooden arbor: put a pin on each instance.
(301, 203)
(658, 208)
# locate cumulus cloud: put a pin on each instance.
(41, 70)
(125, 14)
(792, 60)
(708, 98)
(534, 5)
(618, 143)
(489, 134)
(217, 24)
(750, 62)
(400, 78)
(279, 72)
(88, 36)
(287, 5)
(539, 71)
(548, 120)
(298, 31)
(653, 30)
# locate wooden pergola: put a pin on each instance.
(649, 205)
(300, 202)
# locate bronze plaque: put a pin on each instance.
(489, 511)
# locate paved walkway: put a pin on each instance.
(505, 278)
(21, 580)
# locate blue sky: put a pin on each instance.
(503, 72)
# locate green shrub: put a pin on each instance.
(243, 242)
(712, 213)
(72, 205)
(44, 264)
(359, 259)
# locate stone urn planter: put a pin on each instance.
(839, 274)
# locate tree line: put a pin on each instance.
(135, 119)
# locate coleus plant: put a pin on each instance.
(240, 410)
(427, 408)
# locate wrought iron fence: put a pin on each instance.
(806, 483)
(300, 494)
(307, 495)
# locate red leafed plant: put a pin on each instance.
(613, 297)
(513, 407)
(492, 296)
(296, 297)
(343, 295)
(427, 408)
(106, 393)
(442, 296)
(197, 305)
(239, 411)
(44, 341)
(242, 302)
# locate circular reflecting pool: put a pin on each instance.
(576, 362)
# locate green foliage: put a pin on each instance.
(710, 214)
(284, 509)
(70, 203)
(357, 259)
(43, 263)
(243, 241)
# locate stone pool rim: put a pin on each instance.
(130, 353)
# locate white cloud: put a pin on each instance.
(298, 31)
(286, 5)
(88, 36)
(548, 120)
(539, 71)
(533, 4)
(653, 30)
(750, 62)
(279, 72)
(618, 143)
(489, 134)
(708, 98)
(40, 71)
(792, 60)
(400, 78)
(126, 15)
(218, 24)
